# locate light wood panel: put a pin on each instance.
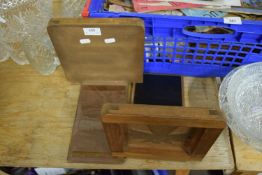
(160, 141)
(99, 61)
(247, 158)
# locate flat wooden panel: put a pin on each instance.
(37, 115)
(192, 141)
(99, 61)
(93, 97)
(163, 115)
(157, 142)
(162, 138)
(155, 135)
(247, 158)
(116, 136)
(88, 143)
(200, 92)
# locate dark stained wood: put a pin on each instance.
(204, 142)
(155, 131)
(192, 140)
(164, 115)
(115, 136)
(88, 142)
(207, 140)
(164, 140)
(161, 132)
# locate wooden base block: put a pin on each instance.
(161, 130)
(88, 142)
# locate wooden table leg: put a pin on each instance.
(182, 172)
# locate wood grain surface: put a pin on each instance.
(88, 142)
(98, 60)
(160, 139)
(247, 158)
(37, 115)
(164, 115)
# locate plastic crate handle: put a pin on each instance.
(85, 12)
(207, 35)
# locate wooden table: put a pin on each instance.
(248, 160)
(37, 114)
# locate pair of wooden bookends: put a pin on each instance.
(121, 113)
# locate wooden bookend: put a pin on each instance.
(178, 133)
(107, 54)
(88, 142)
(99, 49)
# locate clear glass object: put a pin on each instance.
(4, 52)
(72, 8)
(17, 53)
(23, 26)
(36, 25)
(25, 20)
(15, 13)
(240, 98)
(41, 54)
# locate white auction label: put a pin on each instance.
(85, 41)
(92, 31)
(2, 20)
(110, 40)
(232, 20)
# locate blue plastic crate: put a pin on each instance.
(171, 49)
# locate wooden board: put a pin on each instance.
(37, 115)
(247, 158)
(163, 115)
(88, 143)
(95, 50)
(200, 92)
(153, 131)
(159, 135)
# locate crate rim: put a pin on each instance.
(94, 8)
